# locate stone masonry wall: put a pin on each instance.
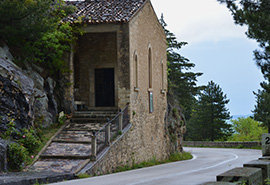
(149, 128)
(222, 144)
(147, 138)
(94, 50)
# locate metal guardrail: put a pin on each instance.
(109, 132)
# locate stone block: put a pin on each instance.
(252, 176)
(266, 144)
(3, 155)
(264, 165)
(219, 183)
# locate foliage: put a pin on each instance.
(262, 109)
(172, 158)
(33, 28)
(83, 175)
(246, 129)
(25, 143)
(62, 118)
(17, 155)
(182, 82)
(256, 15)
(11, 130)
(30, 140)
(209, 116)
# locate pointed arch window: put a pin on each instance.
(150, 68)
(150, 81)
(136, 72)
(162, 78)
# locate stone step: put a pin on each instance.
(67, 150)
(102, 116)
(58, 165)
(88, 120)
(252, 176)
(84, 127)
(71, 141)
(95, 113)
(264, 165)
(67, 136)
(43, 156)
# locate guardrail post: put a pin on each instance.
(120, 122)
(94, 146)
(108, 133)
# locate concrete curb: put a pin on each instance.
(30, 178)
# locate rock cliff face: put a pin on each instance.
(175, 124)
(25, 96)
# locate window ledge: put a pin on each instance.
(163, 91)
(136, 89)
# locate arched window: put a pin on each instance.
(150, 82)
(136, 72)
(162, 76)
(150, 68)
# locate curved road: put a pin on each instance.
(206, 164)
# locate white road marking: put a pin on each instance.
(187, 172)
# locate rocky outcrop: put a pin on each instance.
(25, 96)
(3, 155)
(175, 124)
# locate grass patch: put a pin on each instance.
(238, 147)
(47, 133)
(83, 175)
(45, 136)
(172, 158)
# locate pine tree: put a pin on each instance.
(262, 109)
(209, 117)
(256, 15)
(34, 30)
(182, 82)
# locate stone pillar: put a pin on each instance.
(108, 134)
(266, 145)
(68, 83)
(3, 155)
(120, 122)
(94, 147)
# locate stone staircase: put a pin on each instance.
(70, 149)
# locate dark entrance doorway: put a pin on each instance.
(104, 87)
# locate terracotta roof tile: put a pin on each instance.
(104, 11)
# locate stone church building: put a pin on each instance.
(121, 60)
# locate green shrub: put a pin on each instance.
(16, 155)
(11, 130)
(179, 156)
(30, 140)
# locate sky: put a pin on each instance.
(218, 47)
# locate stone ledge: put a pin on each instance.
(29, 178)
(219, 183)
(264, 165)
(253, 176)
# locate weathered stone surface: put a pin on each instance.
(5, 54)
(252, 176)
(219, 183)
(26, 95)
(58, 165)
(264, 165)
(266, 144)
(68, 149)
(13, 104)
(30, 178)
(3, 155)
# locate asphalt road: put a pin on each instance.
(206, 164)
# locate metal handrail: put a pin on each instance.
(110, 121)
(100, 141)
